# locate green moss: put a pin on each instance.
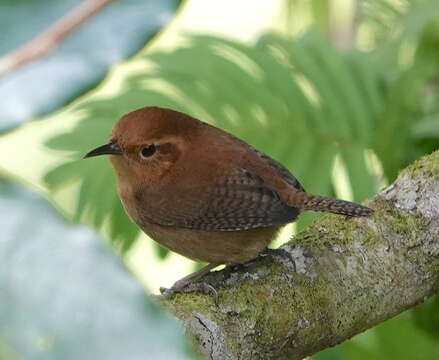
(426, 167)
(404, 223)
(183, 304)
(334, 229)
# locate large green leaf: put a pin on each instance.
(65, 296)
(80, 61)
(257, 93)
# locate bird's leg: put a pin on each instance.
(279, 251)
(186, 284)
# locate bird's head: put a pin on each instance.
(147, 142)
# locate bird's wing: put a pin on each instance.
(239, 201)
(283, 172)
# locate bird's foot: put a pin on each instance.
(280, 252)
(186, 284)
(187, 287)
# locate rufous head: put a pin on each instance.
(146, 143)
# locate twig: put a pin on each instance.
(50, 38)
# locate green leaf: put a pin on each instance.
(427, 128)
(405, 104)
(64, 295)
(396, 338)
(80, 61)
(161, 252)
(322, 15)
(393, 333)
(364, 184)
(426, 317)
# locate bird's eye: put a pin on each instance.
(147, 151)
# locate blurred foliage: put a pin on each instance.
(314, 100)
(271, 104)
(396, 339)
(304, 99)
(426, 318)
(65, 296)
(80, 62)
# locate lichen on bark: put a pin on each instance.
(333, 280)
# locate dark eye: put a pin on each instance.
(148, 151)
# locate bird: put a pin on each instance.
(202, 192)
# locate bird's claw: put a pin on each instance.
(201, 287)
(279, 251)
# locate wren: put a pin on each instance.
(203, 193)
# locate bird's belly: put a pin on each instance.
(228, 247)
(222, 247)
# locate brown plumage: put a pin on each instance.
(202, 192)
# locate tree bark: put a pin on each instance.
(333, 280)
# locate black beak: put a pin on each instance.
(107, 149)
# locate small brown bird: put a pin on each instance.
(202, 192)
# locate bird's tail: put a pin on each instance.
(327, 204)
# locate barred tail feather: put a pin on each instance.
(336, 206)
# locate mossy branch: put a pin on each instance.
(333, 280)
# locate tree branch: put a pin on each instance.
(50, 38)
(335, 279)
